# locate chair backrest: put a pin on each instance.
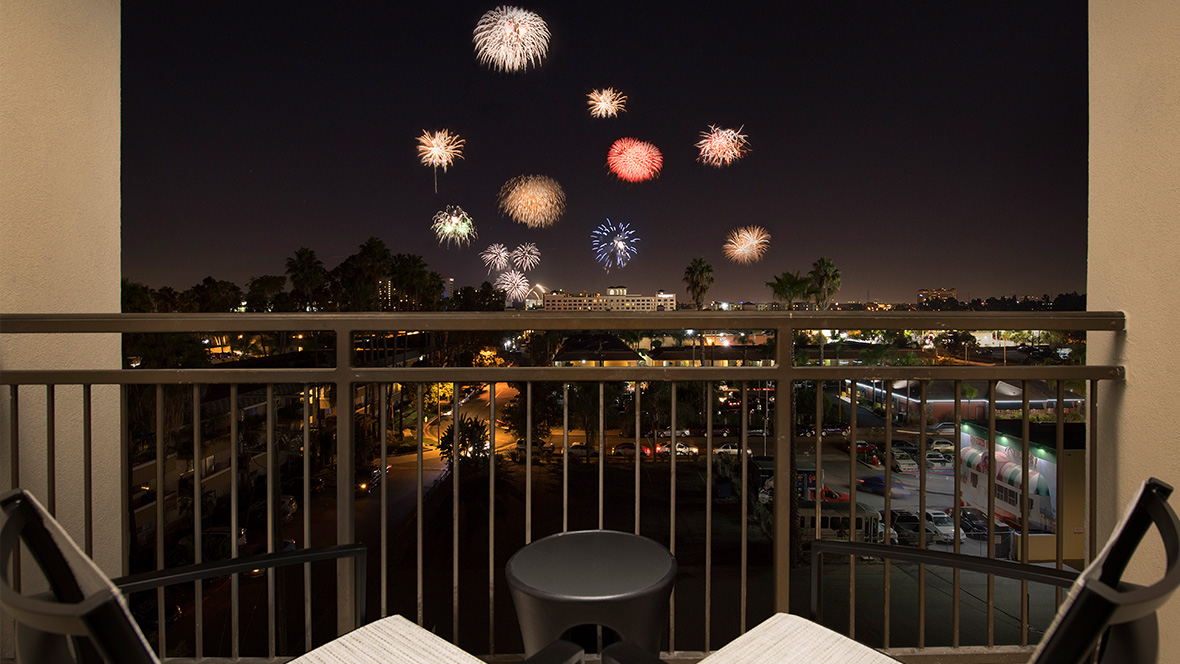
(83, 618)
(1118, 620)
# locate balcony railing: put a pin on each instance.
(235, 448)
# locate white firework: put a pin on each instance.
(746, 245)
(606, 103)
(510, 39)
(514, 284)
(495, 257)
(526, 256)
(613, 244)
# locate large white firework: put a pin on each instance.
(453, 225)
(747, 244)
(613, 244)
(606, 103)
(495, 257)
(510, 39)
(440, 148)
(721, 147)
(526, 256)
(536, 201)
(514, 284)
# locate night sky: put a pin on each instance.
(915, 144)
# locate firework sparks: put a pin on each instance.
(511, 39)
(613, 244)
(536, 201)
(633, 160)
(453, 225)
(747, 244)
(514, 284)
(495, 257)
(606, 103)
(440, 148)
(526, 256)
(721, 147)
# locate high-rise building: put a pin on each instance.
(927, 294)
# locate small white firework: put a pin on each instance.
(747, 244)
(526, 256)
(606, 103)
(495, 257)
(514, 284)
(440, 148)
(510, 39)
(613, 244)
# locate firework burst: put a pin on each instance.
(747, 244)
(606, 103)
(453, 225)
(536, 201)
(613, 244)
(721, 147)
(510, 39)
(633, 160)
(440, 148)
(526, 256)
(514, 284)
(495, 257)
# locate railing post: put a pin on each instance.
(345, 460)
(784, 354)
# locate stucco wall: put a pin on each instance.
(1134, 250)
(60, 239)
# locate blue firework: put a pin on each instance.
(613, 244)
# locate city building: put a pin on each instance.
(616, 299)
(927, 294)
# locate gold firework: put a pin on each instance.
(440, 148)
(536, 201)
(606, 103)
(747, 244)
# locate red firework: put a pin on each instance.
(633, 160)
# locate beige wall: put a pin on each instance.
(1134, 249)
(59, 238)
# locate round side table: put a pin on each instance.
(592, 577)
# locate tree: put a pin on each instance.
(473, 440)
(825, 282)
(790, 287)
(262, 291)
(698, 277)
(214, 295)
(307, 278)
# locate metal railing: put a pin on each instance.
(352, 381)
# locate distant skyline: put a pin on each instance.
(916, 145)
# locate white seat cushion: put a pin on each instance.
(784, 638)
(392, 640)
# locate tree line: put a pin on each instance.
(820, 285)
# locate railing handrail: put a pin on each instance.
(1111, 321)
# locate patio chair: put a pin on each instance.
(84, 618)
(1100, 615)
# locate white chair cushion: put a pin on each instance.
(392, 640)
(784, 638)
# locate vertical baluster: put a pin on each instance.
(921, 521)
(51, 450)
(638, 455)
(528, 458)
(198, 514)
(87, 470)
(306, 449)
(1026, 444)
(418, 503)
(991, 509)
(161, 633)
(383, 529)
(234, 451)
(601, 457)
(1092, 476)
(672, 520)
(565, 458)
(852, 508)
(456, 454)
(492, 518)
(272, 527)
(955, 588)
(885, 566)
(708, 504)
(1059, 415)
(743, 491)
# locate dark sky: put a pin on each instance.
(916, 144)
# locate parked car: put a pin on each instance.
(680, 433)
(721, 432)
(944, 524)
(581, 450)
(876, 484)
(908, 527)
(943, 428)
(973, 522)
(682, 449)
(903, 463)
(728, 448)
(941, 445)
(836, 429)
(367, 480)
(862, 447)
(939, 461)
(628, 450)
(907, 446)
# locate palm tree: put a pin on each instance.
(307, 277)
(698, 276)
(825, 282)
(790, 287)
